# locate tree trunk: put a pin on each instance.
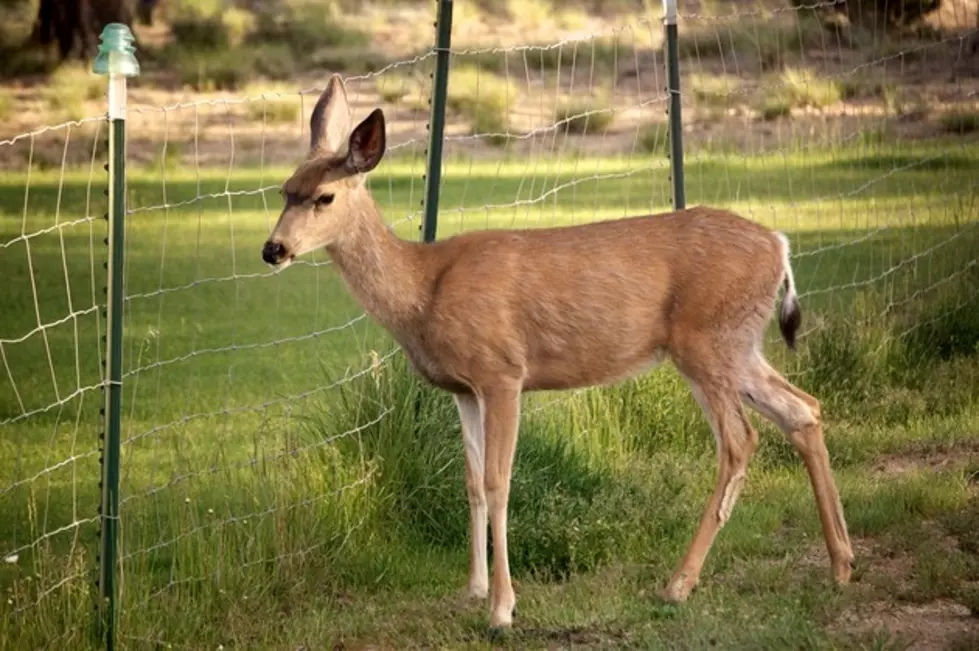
(74, 25)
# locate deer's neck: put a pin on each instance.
(383, 272)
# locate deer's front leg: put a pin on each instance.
(501, 407)
(474, 445)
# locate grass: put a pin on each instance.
(285, 484)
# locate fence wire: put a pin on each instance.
(232, 458)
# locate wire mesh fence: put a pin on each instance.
(237, 472)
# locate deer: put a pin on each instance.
(488, 315)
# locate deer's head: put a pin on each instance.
(327, 193)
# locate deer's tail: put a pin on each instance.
(790, 314)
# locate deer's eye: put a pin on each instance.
(324, 200)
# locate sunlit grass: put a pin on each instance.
(273, 454)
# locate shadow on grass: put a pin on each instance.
(335, 488)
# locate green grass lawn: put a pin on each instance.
(278, 490)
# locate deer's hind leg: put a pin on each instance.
(736, 443)
(798, 415)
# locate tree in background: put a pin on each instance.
(74, 25)
(883, 13)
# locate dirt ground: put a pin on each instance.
(890, 600)
(930, 78)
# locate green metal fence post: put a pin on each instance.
(440, 81)
(673, 88)
(116, 60)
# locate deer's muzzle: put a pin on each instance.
(274, 253)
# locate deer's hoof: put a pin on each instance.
(499, 634)
(679, 588)
(843, 571)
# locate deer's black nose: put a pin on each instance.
(273, 252)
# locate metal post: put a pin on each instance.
(117, 61)
(440, 81)
(673, 88)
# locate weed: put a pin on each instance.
(893, 101)
(713, 90)
(918, 109)
(653, 138)
(583, 116)
(533, 12)
(168, 158)
(960, 122)
(770, 41)
(860, 86)
(774, 106)
(603, 55)
(192, 10)
(306, 28)
(71, 86)
(393, 88)
(806, 89)
(197, 34)
(274, 61)
(6, 104)
(220, 49)
(275, 108)
(24, 60)
(491, 125)
(238, 24)
(970, 598)
(901, 51)
(965, 641)
(16, 21)
(215, 71)
(873, 137)
(481, 96)
(572, 18)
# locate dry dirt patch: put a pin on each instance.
(929, 458)
(923, 627)
(885, 572)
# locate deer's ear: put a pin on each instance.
(367, 143)
(330, 122)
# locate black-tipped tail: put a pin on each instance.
(789, 316)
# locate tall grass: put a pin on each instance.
(617, 474)
(234, 529)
